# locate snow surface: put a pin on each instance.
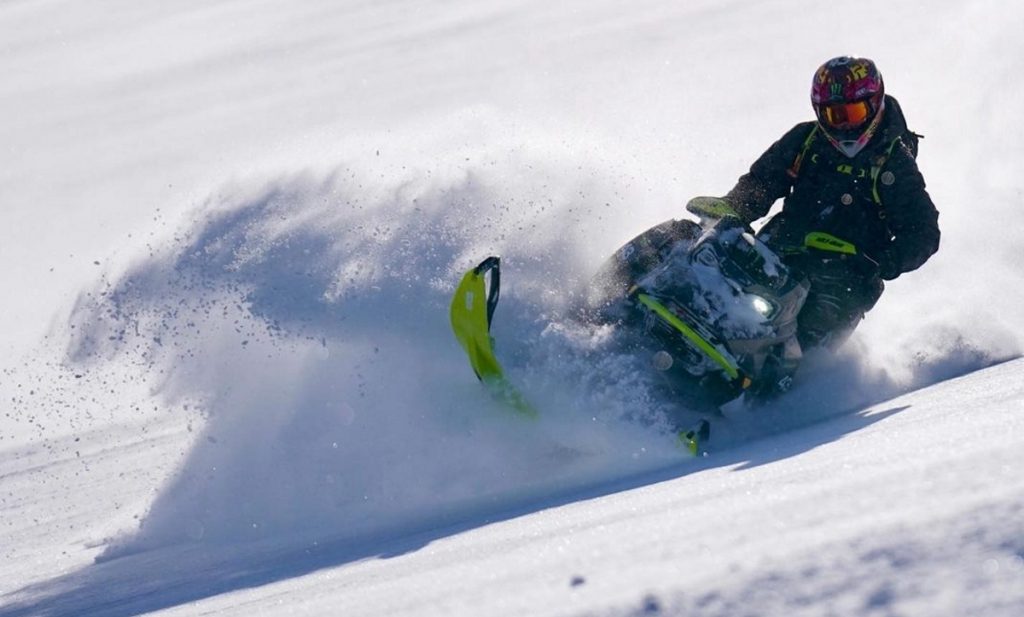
(230, 231)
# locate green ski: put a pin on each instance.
(471, 312)
(693, 438)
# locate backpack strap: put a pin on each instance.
(876, 169)
(794, 169)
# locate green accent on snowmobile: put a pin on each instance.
(729, 367)
(711, 208)
(472, 308)
(692, 438)
(827, 242)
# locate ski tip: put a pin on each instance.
(693, 438)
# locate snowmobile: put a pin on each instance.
(711, 306)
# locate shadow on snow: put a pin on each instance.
(173, 576)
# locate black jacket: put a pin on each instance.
(877, 200)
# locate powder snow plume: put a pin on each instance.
(306, 317)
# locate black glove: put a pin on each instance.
(889, 266)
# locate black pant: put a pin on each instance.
(838, 299)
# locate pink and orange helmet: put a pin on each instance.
(848, 96)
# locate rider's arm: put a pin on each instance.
(913, 219)
(769, 178)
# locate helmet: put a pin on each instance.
(848, 98)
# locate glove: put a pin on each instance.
(889, 266)
(711, 208)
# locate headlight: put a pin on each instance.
(762, 306)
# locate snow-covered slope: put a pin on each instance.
(913, 506)
(229, 384)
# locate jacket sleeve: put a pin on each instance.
(913, 218)
(769, 178)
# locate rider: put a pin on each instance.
(855, 209)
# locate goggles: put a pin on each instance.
(845, 116)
